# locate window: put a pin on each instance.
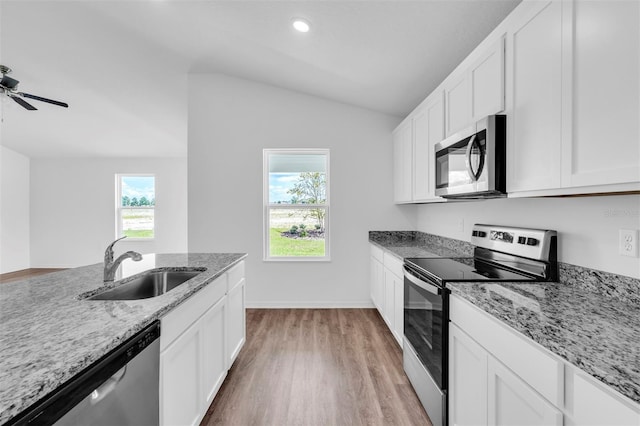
(296, 204)
(135, 205)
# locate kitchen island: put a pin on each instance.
(49, 333)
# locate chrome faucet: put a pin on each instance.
(111, 266)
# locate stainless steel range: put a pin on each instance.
(501, 254)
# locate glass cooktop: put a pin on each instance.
(462, 269)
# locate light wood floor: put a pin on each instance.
(317, 367)
(26, 273)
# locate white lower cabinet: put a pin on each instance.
(199, 341)
(387, 290)
(214, 366)
(467, 380)
(180, 374)
(593, 404)
(499, 377)
(510, 401)
(236, 322)
(377, 283)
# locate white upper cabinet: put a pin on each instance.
(605, 143)
(573, 104)
(458, 103)
(534, 64)
(567, 75)
(402, 164)
(428, 129)
(477, 91)
(487, 82)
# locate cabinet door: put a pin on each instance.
(421, 156)
(512, 402)
(487, 82)
(535, 68)
(605, 147)
(595, 404)
(467, 380)
(377, 284)
(428, 130)
(398, 303)
(214, 366)
(458, 103)
(236, 322)
(180, 377)
(389, 297)
(435, 111)
(402, 164)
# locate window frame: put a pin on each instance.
(267, 207)
(119, 207)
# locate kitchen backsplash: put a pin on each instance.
(620, 287)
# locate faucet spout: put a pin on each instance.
(111, 266)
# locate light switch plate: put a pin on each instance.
(628, 242)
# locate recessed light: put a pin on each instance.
(301, 25)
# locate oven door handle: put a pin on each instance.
(431, 288)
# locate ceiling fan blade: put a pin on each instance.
(23, 103)
(8, 82)
(51, 101)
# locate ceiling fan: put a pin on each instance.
(9, 86)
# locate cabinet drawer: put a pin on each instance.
(376, 253)
(538, 367)
(596, 404)
(179, 319)
(235, 276)
(393, 264)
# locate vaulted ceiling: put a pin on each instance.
(123, 65)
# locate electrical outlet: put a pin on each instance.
(629, 242)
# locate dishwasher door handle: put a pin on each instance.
(431, 288)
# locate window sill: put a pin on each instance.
(296, 259)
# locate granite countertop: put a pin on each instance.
(593, 331)
(600, 336)
(48, 334)
(405, 244)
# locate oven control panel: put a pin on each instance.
(525, 242)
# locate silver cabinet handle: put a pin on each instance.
(431, 288)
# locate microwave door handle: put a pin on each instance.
(467, 159)
(422, 284)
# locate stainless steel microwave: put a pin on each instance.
(471, 163)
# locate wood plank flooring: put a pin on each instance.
(317, 367)
(26, 273)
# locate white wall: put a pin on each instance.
(73, 215)
(230, 122)
(587, 226)
(14, 211)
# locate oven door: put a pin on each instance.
(425, 344)
(425, 324)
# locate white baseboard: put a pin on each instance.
(309, 305)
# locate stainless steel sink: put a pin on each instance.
(151, 284)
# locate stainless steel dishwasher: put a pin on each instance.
(119, 389)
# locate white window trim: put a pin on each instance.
(119, 206)
(267, 207)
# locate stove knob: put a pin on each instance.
(522, 240)
(532, 242)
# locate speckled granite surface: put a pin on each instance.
(404, 244)
(47, 335)
(599, 335)
(591, 318)
(625, 289)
